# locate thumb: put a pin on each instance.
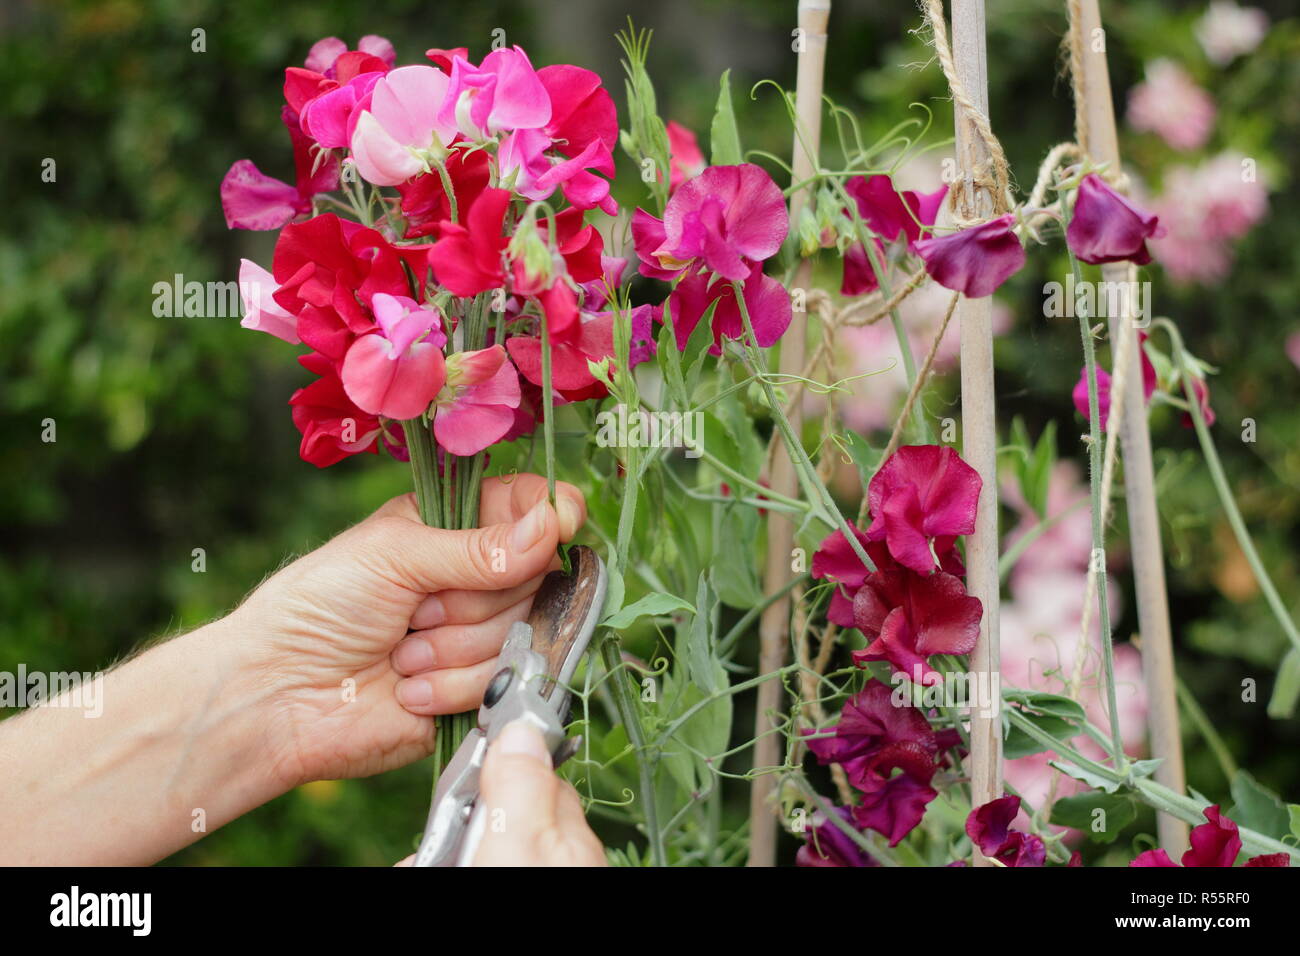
(499, 556)
(519, 789)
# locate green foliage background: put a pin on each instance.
(173, 433)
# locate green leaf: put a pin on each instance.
(701, 663)
(724, 137)
(736, 579)
(865, 458)
(1078, 812)
(1020, 744)
(1294, 812)
(670, 363)
(652, 605)
(697, 346)
(1258, 808)
(1044, 703)
(1094, 780)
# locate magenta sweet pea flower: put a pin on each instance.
(1213, 843)
(908, 617)
(502, 94)
(828, 845)
(974, 261)
(1080, 393)
(1202, 392)
(922, 494)
(397, 370)
(989, 828)
(402, 133)
(252, 200)
(890, 213)
(476, 406)
(261, 312)
(723, 221)
(1106, 227)
(766, 300)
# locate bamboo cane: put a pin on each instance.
(1098, 138)
(774, 626)
(979, 427)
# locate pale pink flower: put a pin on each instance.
(400, 133)
(1228, 31)
(1169, 103)
(396, 370)
(476, 407)
(1293, 348)
(261, 313)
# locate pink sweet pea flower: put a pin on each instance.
(397, 370)
(989, 828)
(502, 94)
(921, 494)
(1169, 103)
(859, 276)
(1202, 392)
(685, 159)
(324, 54)
(1214, 843)
(974, 261)
(907, 617)
(724, 219)
(261, 312)
(400, 134)
(766, 300)
(525, 156)
(476, 406)
(252, 200)
(1106, 227)
(1080, 393)
(331, 118)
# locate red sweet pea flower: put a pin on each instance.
(974, 261)
(424, 201)
(908, 617)
(872, 739)
(1106, 227)
(468, 259)
(582, 110)
(327, 267)
(922, 494)
(1214, 843)
(252, 200)
(989, 828)
(332, 426)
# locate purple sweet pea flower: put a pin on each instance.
(974, 261)
(989, 828)
(1213, 843)
(828, 845)
(1106, 227)
(766, 300)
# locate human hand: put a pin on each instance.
(349, 692)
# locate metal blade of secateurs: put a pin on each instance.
(565, 613)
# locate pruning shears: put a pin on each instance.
(538, 661)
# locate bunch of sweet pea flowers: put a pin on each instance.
(462, 245)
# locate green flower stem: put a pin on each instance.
(1098, 531)
(424, 470)
(1226, 497)
(626, 705)
(812, 484)
(548, 406)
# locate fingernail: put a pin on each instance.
(529, 529)
(414, 692)
(523, 739)
(570, 517)
(430, 613)
(413, 655)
